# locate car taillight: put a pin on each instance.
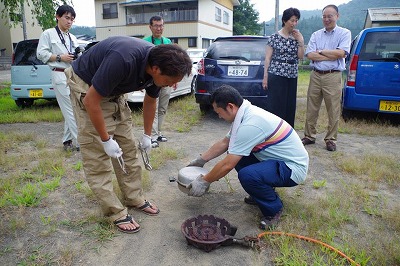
(351, 77)
(200, 67)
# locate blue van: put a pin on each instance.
(30, 77)
(373, 72)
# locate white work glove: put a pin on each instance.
(112, 148)
(198, 187)
(145, 144)
(200, 162)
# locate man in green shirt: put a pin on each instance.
(157, 27)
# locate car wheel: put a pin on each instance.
(347, 114)
(24, 103)
(193, 84)
(205, 107)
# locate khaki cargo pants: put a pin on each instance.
(327, 87)
(97, 165)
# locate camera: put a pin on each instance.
(77, 52)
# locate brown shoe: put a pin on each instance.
(270, 222)
(330, 145)
(307, 141)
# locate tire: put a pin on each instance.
(193, 85)
(347, 114)
(205, 107)
(24, 103)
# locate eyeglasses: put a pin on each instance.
(157, 26)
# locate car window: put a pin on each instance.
(250, 50)
(25, 53)
(381, 46)
(195, 53)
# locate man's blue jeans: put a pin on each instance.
(259, 180)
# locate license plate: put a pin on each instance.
(238, 71)
(389, 106)
(35, 93)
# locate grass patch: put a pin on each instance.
(302, 83)
(41, 111)
(183, 113)
(161, 155)
(373, 167)
(32, 172)
(319, 184)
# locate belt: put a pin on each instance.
(325, 71)
(287, 61)
(58, 69)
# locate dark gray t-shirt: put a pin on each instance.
(116, 66)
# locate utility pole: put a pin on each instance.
(276, 15)
(23, 20)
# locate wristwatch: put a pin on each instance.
(58, 58)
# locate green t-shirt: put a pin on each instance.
(157, 41)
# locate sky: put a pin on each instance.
(85, 8)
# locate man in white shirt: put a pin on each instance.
(264, 149)
(57, 48)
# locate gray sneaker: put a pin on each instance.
(270, 222)
(161, 138)
(154, 144)
(68, 146)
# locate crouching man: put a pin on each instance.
(263, 148)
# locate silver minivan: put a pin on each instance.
(30, 77)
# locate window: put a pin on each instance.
(25, 53)
(174, 40)
(381, 46)
(217, 14)
(253, 50)
(226, 18)
(110, 11)
(192, 42)
(205, 43)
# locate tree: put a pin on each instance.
(245, 19)
(42, 10)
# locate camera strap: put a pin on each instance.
(63, 40)
(153, 40)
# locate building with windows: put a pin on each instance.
(190, 23)
(11, 33)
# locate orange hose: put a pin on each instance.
(310, 240)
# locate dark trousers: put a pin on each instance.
(259, 180)
(281, 100)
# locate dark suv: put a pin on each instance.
(30, 77)
(237, 61)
